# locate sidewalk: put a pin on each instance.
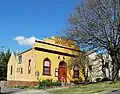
(32, 92)
(40, 91)
(110, 91)
(7, 90)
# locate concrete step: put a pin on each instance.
(67, 84)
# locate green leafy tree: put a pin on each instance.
(96, 26)
(4, 58)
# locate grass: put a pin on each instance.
(89, 89)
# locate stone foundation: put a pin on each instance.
(22, 83)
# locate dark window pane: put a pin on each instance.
(46, 70)
(11, 70)
(76, 74)
(20, 59)
(29, 62)
(46, 67)
(21, 70)
(29, 69)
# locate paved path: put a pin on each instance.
(114, 92)
(28, 91)
(21, 91)
(32, 92)
(11, 90)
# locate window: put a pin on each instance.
(11, 69)
(58, 57)
(20, 59)
(75, 72)
(46, 67)
(29, 68)
(56, 72)
(29, 62)
(17, 70)
(21, 71)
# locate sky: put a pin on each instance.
(23, 21)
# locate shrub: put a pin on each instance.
(48, 83)
(57, 83)
(22, 87)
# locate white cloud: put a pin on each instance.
(26, 41)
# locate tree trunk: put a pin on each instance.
(115, 72)
(116, 65)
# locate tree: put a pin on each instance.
(4, 58)
(96, 26)
(82, 62)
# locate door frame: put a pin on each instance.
(62, 64)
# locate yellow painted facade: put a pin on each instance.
(16, 71)
(55, 49)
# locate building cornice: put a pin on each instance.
(52, 51)
(57, 45)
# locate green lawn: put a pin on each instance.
(89, 89)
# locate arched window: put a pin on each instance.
(75, 72)
(46, 67)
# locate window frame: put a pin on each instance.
(47, 59)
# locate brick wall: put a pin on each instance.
(22, 83)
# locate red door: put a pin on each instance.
(62, 72)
